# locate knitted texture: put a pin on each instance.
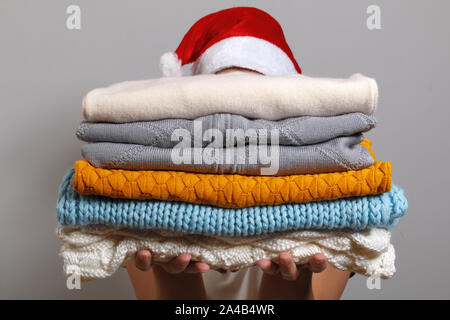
(94, 253)
(230, 191)
(250, 95)
(336, 155)
(356, 213)
(292, 132)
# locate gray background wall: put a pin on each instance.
(45, 69)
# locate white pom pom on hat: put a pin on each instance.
(170, 65)
(242, 37)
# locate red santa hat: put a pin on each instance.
(242, 37)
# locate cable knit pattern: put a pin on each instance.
(296, 131)
(336, 155)
(97, 252)
(230, 191)
(358, 213)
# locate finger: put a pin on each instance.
(143, 259)
(197, 267)
(267, 266)
(288, 269)
(178, 264)
(318, 263)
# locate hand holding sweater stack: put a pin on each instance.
(327, 193)
(233, 167)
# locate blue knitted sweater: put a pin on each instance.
(381, 211)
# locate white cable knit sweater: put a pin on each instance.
(97, 252)
(250, 95)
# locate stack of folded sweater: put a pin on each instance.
(229, 168)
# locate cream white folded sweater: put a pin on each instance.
(97, 252)
(250, 95)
